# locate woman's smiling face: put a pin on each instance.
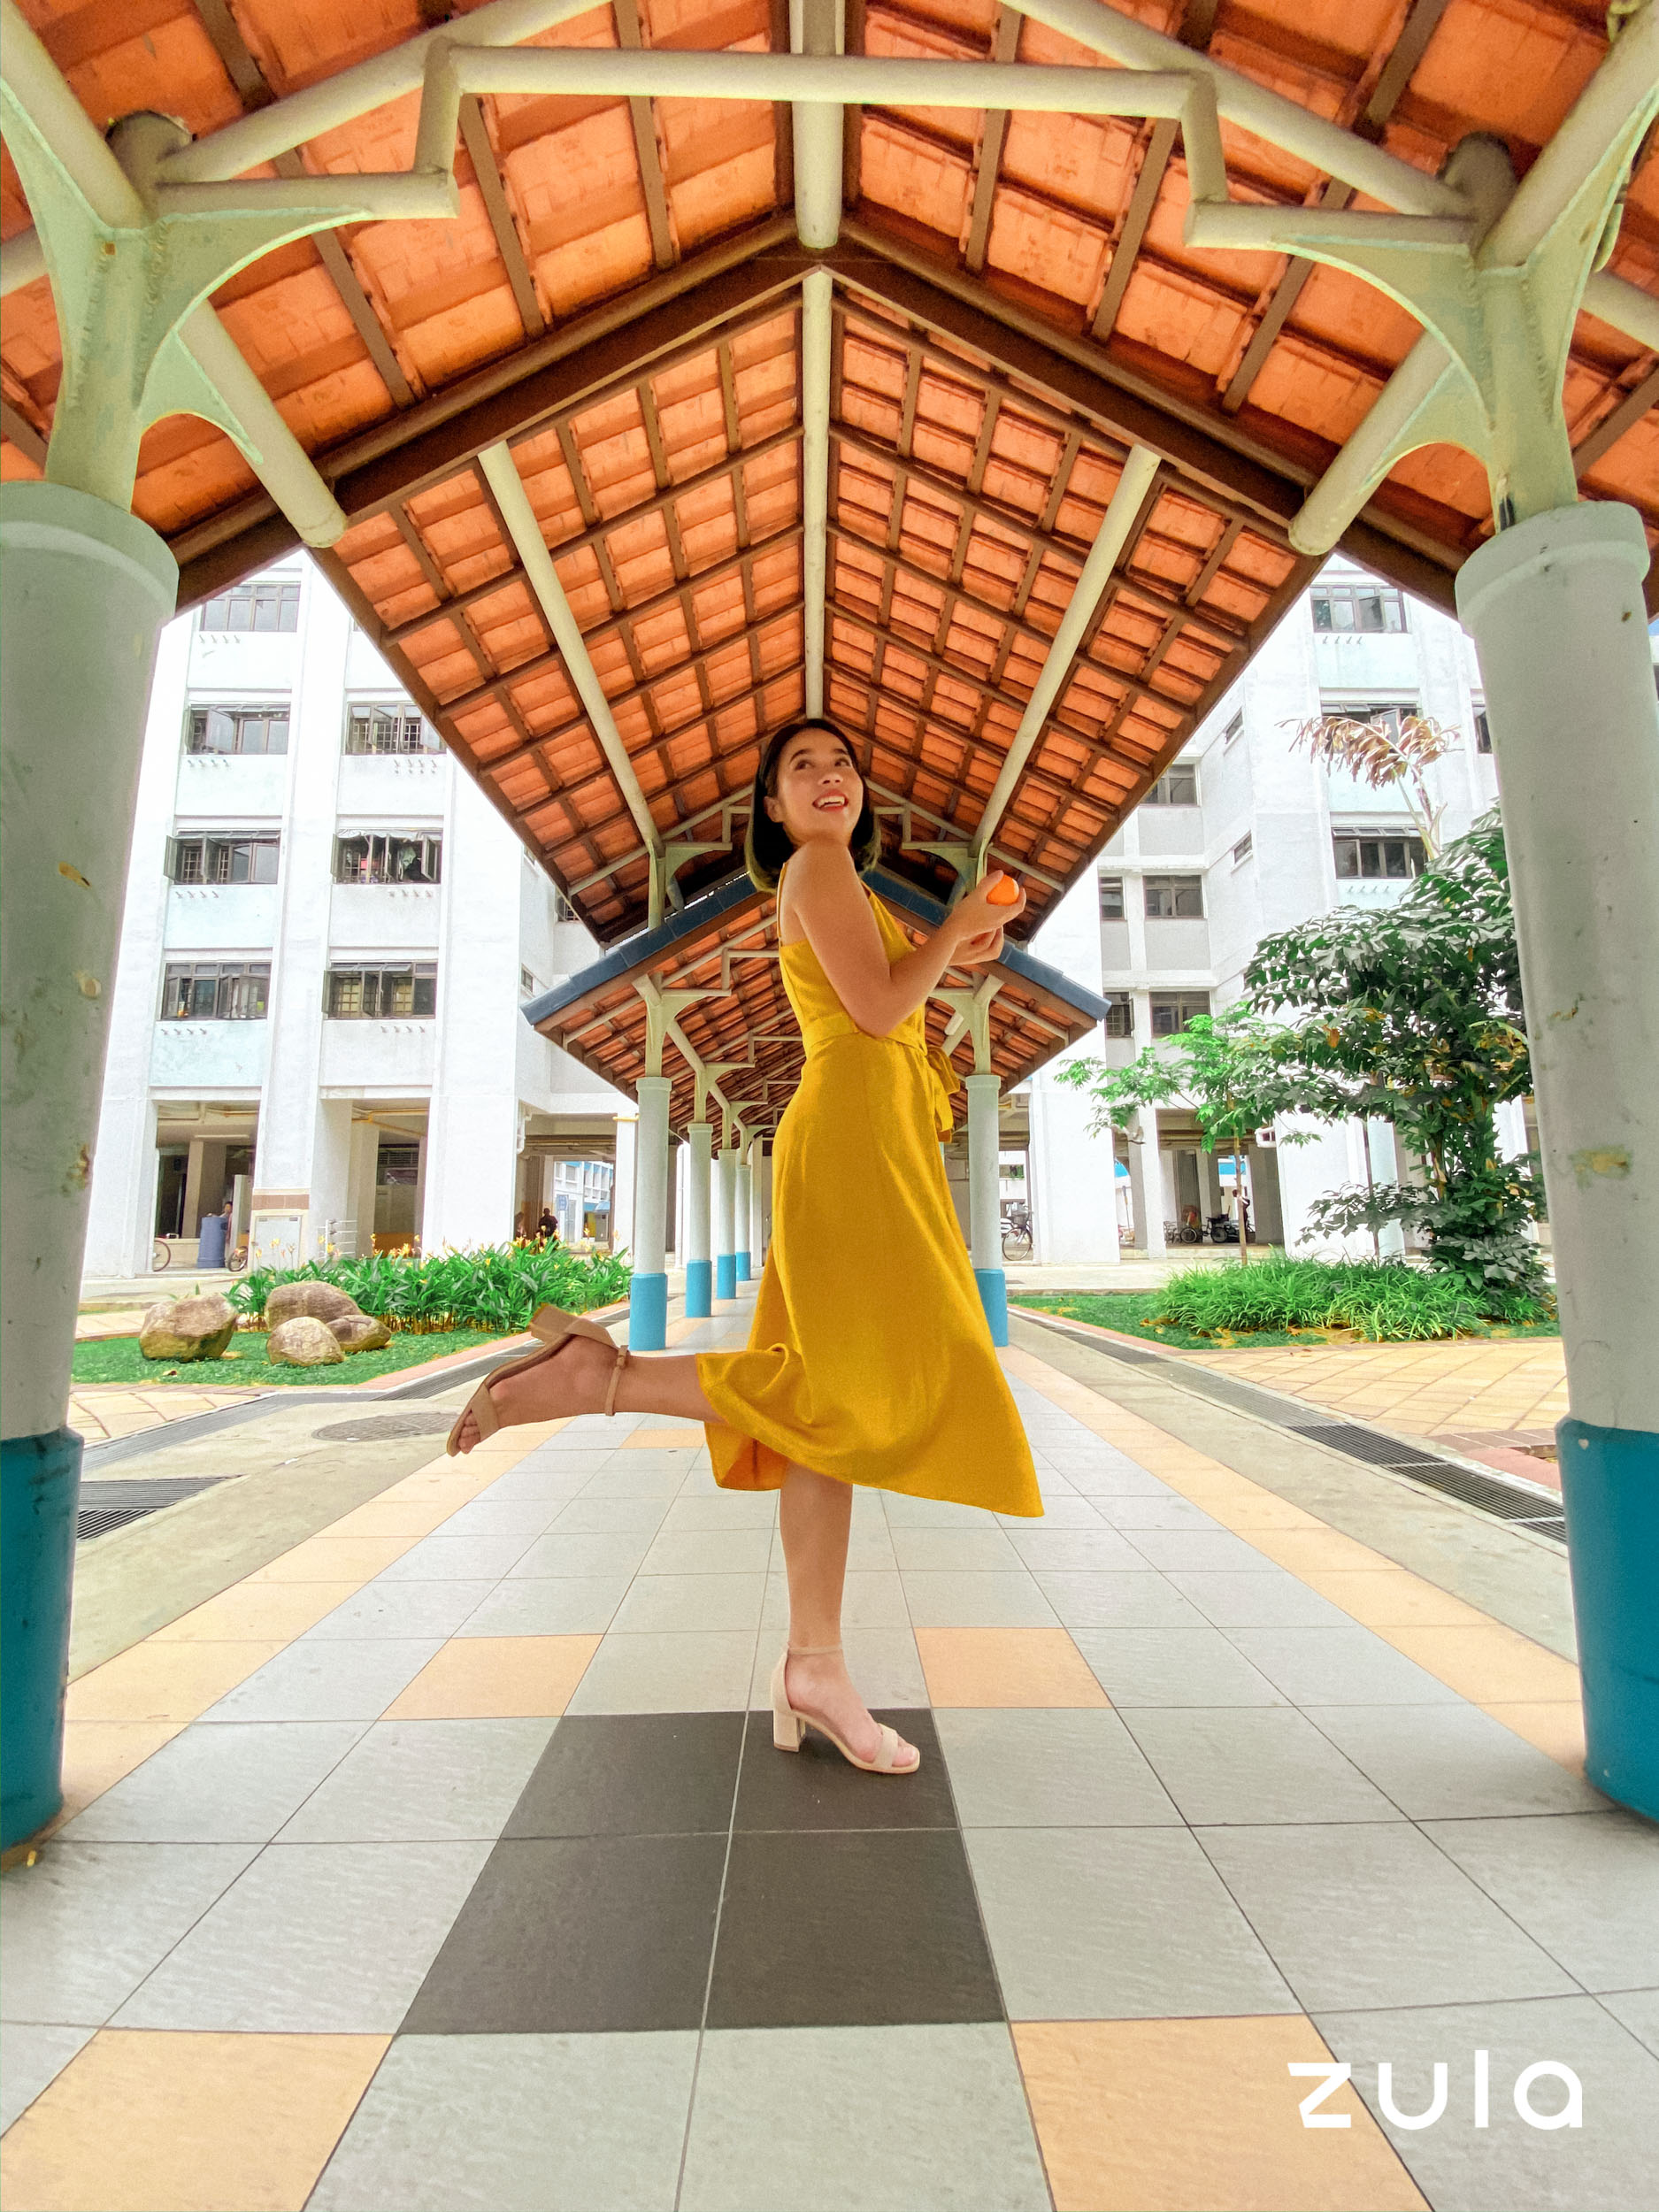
(817, 791)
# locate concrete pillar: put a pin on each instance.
(984, 1223)
(622, 1183)
(1555, 607)
(1146, 1184)
(363, 1162)
(648, 1291)
(699, 1256)
(1209, 1186)
(757, 1198)
(1070, 1174)
(763, 1172)
(726, 1224)
(86, 588)
(743, 1203)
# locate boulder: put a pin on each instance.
(304, 1341)
(188, 1328)
(359, 1333)
(321, 1300)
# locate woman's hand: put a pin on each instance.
(977, 922)
(978, 952)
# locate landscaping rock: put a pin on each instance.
(187, 1328)
(359, 1333)
(321, 1300)
(304, 1341)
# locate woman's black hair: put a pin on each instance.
(768, 844)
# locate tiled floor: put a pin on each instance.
(445, 1862)
(98, 1411)
(1499, 1388)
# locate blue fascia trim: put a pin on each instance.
(897, 892)
(642, 948)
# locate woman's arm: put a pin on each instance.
(828, 901)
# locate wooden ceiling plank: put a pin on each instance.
(642, 118)
(1612, 428)
(1142, 200)
(1004, 43)
(508, 245)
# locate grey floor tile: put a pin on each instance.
(489, 1516)
(1243, 1765)
(1637, 2009)
(1606, 2165)
(923, 1513)
(946, 2123)
(694, 1601)
(869, 1549)
(1272, 1599)
(939, 1599)
(671, 1672)
(1139, 1511)
(1093, 1478)
(870, 1599)
(1061, 1509)
(1376, 1916)
(970, 1549)
(1117, 1924)
(700, 1515)
(1138, 1599)
(642, 1475)
(1346, 1665)
(1049, 1769)
(1097, 1550)
(315, 1938)
(633, 1774)
(1176, 1665)
(1196, 1552)
(587, 1514)
(709, 1552)
(562, 1605)
(458, 1559)
(81, 1927)
(31, 2059)
(233, 1784)
(516, 2123)
(328, 1680)
(424, 1781)
(1452, 1762)
(553, 1481)
(576, 1552)
(400, 1609)
(1585, 1885)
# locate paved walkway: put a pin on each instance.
(445, 1862)
(98, 1411)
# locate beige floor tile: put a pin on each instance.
(1490, 1664)
(171, 1681)
(1263, 1510)
(1390, 1597)
(336, 1559)
(1556, 1729)
(1301, 1548)
(258, 1609)
(452, 1489)
(162, 2122)
(496, 1677)
(1006, 1667)
(98, 1752)
(391, 1517)
(1199, 2116)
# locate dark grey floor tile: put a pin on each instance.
(815, 1788)
(633, 1774)
(579, 1935)
(877, 1928)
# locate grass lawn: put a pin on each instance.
(117, 1359)
(1128, 1312)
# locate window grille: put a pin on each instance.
(1120, 1014)
(1174, 898)
(1176, 787)
(215, 991)
(221, 859)
(1235, 728)
(1380, 858)
(562, 911)
(387, 857)
(1242, 850)
(1111, 898)
(526, 984)
(1171, 1011)
(389, 730)
(237, 730)
(263, 603)
(1357, 607)
(408, 991)
(1482, 731)
(397, 1164)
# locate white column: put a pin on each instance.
(622, 1184)
(756, 1202)
(648, 1292)
(726, 1224)
(365, 1159)
(1146, 1183)
(1074, 1209)
(742, 1199)
(699, 1256)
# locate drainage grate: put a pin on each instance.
(108, 1505)
(378, 1428)
(1505, 1502)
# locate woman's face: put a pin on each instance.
(817, 792)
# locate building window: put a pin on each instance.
(236, 730)
(220, 859)
(1176, 787)
(1482, 731)
(1242, 850)
(1111, 898)
(397, 1164)
(1174, 898)
(562, 911)
(1120, 1014)
(1368, 858)
(263, 603)
(1357, 606)
(387, 857)
(1171, 1011)
(408, 993)
(389, 730)
(216, 991)
(1235, 728)
(527, 984)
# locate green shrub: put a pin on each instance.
(1385, 1301)
(496, 1288)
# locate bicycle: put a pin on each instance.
(1017, 1237)
(160, 1255)
(237, 1260)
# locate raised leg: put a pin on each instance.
(575, 1380)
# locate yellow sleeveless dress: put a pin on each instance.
(869, 1359)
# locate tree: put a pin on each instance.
(1391, 749)
(1226, 1066)
(1412, 1014)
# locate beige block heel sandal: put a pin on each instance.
(788, 1726)
(555, 1328)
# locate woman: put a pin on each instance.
(869, 1359)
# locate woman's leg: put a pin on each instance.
(814, 1516)
(576, 1379)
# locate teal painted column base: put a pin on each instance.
(699, 1289)
(648, 1313)
(743, 1267)
(1610, 1480)
(40, 1487)
(726, 1275)
(993, 1282)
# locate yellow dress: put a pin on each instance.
(869, 1359)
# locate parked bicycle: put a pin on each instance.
(160, 1255)
(1017, 1234)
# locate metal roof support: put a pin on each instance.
(816, 340)
(817, 27)
(502, 474)
(1132, 486)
